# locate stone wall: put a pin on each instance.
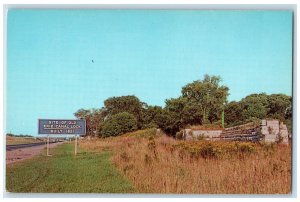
(274, 131)
(271, 130)
(196, 134)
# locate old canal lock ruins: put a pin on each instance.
(267, 130)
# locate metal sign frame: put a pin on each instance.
(63, 130)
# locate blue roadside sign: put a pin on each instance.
(61, 127)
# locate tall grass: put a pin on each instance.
(160, 164)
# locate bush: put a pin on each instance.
(245, 147)
(209, 151)
(179, 135)
(119, 124)
(149, 126)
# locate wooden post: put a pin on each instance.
(48, 145)
(75, 145)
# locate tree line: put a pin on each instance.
(20, 135)
(201, 102)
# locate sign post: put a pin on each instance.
(48, 144)
(76, 144)
(61, 127)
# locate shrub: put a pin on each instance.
(149, 126)
(209, 151)
(179, 135)
(119, 124)
(245, 147)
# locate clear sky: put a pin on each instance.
(59, 61)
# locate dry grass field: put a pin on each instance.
(10, 140)
(155, 163)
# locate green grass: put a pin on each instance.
(65, 173)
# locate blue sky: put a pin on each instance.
(59, 61)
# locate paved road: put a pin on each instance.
(20, 146)
(20, 154)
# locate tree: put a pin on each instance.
(255, 106)
(258, 106)
(175, 106)
(278, 105)
(150, 116)
(233, 113)
(119, 124)
(210, 96)
(130, 104)
(192, 113)
(169, 122)
(201, 101)
(93, 117)
(82, 113)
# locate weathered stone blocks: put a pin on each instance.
(272, 130)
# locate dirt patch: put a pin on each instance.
(26, 153)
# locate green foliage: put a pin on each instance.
(169, 122)
(279, 106)
(175, 107)
(202, 101)
(151, 116)
(150, 125)
(192, 113)
(255, 105)
(209, 95)
(119, 124)
(130, 104)
(152, 132)
(94, 119)
(258, 106)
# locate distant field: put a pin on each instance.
(65, 173)
(20, 140)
